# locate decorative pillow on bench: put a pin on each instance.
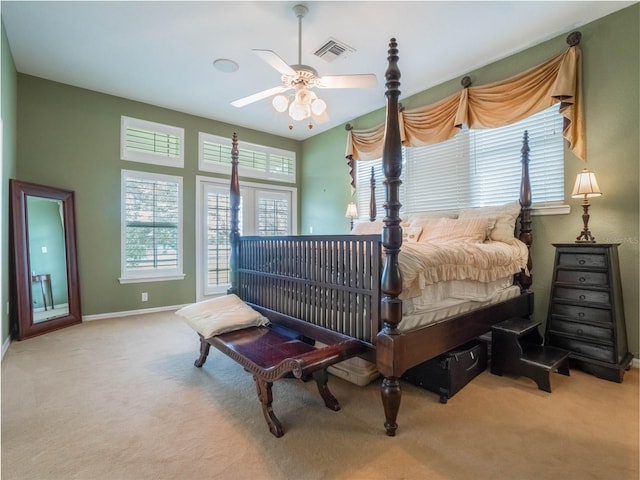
(220, 315)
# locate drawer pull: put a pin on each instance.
(582, 279)
(581, 261)
(581, 314)
(579, 331)
(582, 297)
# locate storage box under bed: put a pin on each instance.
(448, 373)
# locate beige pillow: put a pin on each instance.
(506, 216)
(472, 230)
(367, 228)
(411, 234)
(220, 315)
(418, 218)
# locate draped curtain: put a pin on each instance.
(489, 106)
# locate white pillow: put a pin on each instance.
(472, 230)
(220, 315)
(505, 215)
(367, 228)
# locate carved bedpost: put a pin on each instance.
(391, 281)
(234, 200)
(373, 208)
(525, 211)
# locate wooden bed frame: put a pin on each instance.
(340, 283)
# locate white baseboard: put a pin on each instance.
(128, 313)
(5, 346)
(635, 363)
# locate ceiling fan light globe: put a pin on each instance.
(319, 106)
(298, 111)
(280, 103)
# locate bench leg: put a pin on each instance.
(204, 352)
(322, 377)
(266, 398)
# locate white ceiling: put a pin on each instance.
(162, 52)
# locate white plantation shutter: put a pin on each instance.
(150, 142)
(274, 212)
(263, 211)
(151, 226)
(477, 168)
(217, 207)
(255, 161)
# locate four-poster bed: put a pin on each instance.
(352, 284)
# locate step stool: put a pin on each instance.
(516, 348)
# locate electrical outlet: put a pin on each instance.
(145, 296)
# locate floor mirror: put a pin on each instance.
(45, 290)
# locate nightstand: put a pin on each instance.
(586, 313)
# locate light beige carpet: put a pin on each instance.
(120, 399)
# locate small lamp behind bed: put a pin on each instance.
(351, 213)
(586, 187)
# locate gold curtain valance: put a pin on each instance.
(489, 106)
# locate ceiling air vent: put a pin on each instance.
(332, 49)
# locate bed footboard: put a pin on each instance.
(329, 281)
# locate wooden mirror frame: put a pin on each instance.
(21, 315)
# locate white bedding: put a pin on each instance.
(424, 264)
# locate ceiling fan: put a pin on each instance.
(302, 103)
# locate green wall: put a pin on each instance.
(70, 138)
(611, 56)
(8, 105)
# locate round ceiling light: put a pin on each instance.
(225, 65)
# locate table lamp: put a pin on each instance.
(586, 187)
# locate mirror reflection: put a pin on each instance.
(48, 258)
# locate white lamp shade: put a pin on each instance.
(352, 211)
(586, 185)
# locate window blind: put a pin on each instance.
(218, 226)
(476, 168)
(151, 142)
(273, 213)
(152, 224)
(255, 161)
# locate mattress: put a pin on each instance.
(452, 307)
(452, 292)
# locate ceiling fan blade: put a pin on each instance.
(275, 61)
(365, 80)
(241, 102)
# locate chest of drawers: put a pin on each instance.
(586, 313)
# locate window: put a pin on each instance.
(476, 168)
(264, 210)
(149, 142)
(151, 227)
(255, 161)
